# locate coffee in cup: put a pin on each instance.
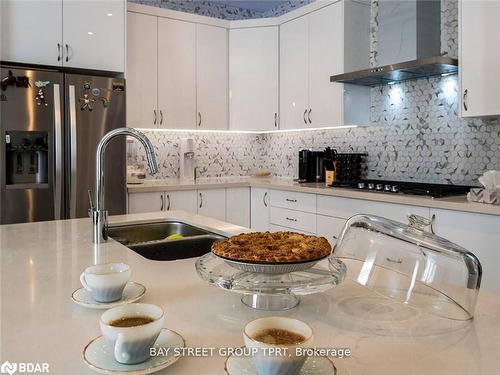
(105, 282)
(277, 336)
(131, 331)
(275, 340)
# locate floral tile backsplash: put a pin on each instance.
(221, 10)
(415, 133)
(216, 154)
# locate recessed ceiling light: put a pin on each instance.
(110, 14)
(90, 33)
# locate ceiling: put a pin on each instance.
(255, 5)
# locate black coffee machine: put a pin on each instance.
(311, 166)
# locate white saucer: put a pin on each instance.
(313, 366)
(131, 293)
(99, 357)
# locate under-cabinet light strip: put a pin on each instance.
(245, 131)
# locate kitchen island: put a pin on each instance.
(40, 268)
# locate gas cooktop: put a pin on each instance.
(406, 187)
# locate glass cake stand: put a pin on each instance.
(271, 291)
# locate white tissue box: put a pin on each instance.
(483, 196)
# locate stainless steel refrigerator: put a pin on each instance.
(50, 125)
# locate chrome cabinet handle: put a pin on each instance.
(335, 237)
(199, 118)
(466, 92)
(433, 219)
(419, 222)
(67, 52)
(161, 117)
(168, 202)
(309, 115)
(154, 111)
(161, 202)
(58, 51)
(201, 200)
(264, 199)
(291, 200)
(290, 219)
(275, 119)
(398, 261)
(304, 116)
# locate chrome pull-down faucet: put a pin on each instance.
(98, 213)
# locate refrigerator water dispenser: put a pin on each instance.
(26, 158)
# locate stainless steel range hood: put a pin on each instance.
(392, 73)
(408, 45)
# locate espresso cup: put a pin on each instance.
(105, 282)
(266, 358)
(132, 345)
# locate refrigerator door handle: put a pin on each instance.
(73, 144)
(58, 153)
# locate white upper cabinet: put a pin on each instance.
(253, 78)
(73, 33)
(479, 58)
(326, 58)
(211, 77)
(311, 50)
(176, 74)
(94, 34)
(294, 73)
(142, 69)
(31, 32)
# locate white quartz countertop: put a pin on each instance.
(458, 203)
(40, 264)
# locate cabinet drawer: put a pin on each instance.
(277, 228)
(145, 202)
(293, 219)
(293, 200)
(329, 227)
(344, 208)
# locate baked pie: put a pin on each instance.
(272, 247)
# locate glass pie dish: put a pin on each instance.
(271, 268)
(410, 265)
(268, 291)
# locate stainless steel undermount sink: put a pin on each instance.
(150, 239)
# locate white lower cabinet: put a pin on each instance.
(304, 221)
(145, 202)
(259, 210)
(346, 207)
(238, 206)
(182, 200)
(278, 228)
(293, 200)
(329, 227)
(478, 233)
(212, 203)
(231, 205)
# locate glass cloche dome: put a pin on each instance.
(410, 265)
